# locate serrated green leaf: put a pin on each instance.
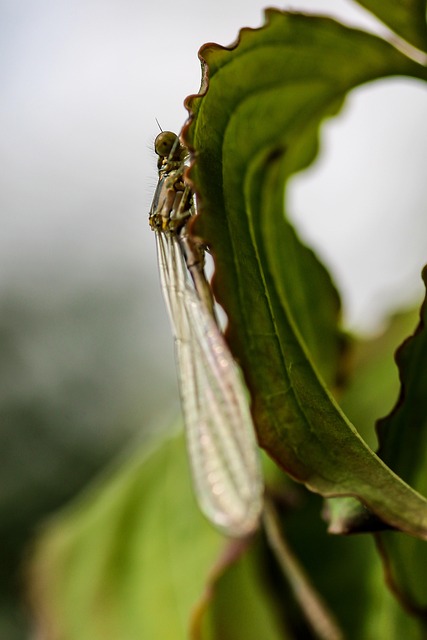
(407, 19)
(373, 382)
(129, 560)
(403, 446)
(255, 124)
(403, 434)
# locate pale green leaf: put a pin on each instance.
(129, 559)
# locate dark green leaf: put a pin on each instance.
(403, 434)
(373, 381)
(256, 124)
(403, 446)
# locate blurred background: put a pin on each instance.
(86, 355)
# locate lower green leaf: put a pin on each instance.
(241, 604)
(129, 559)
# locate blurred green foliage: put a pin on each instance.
(71, 398)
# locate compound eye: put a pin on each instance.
(165, 142)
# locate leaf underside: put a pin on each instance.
(255, 124)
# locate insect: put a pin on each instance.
(221, 440)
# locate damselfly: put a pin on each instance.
(220, 435)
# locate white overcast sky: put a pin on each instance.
(82, 82)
